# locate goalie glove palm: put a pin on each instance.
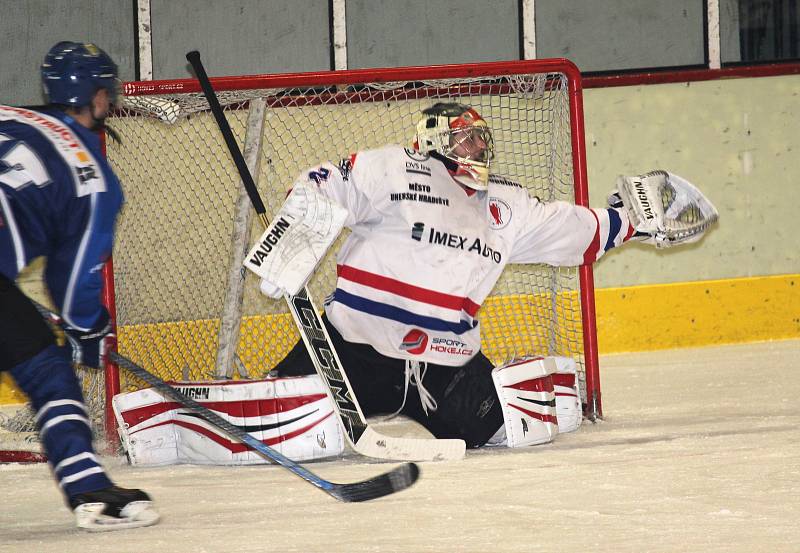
(663, 208)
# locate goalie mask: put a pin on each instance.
(460, 134)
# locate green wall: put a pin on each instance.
(737, 139)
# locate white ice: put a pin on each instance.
(699, 451)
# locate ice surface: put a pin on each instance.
(699, 451)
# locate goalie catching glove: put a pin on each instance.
(664, 209)
(296, 240)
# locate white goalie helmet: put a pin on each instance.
(460, 134)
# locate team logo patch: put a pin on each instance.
(499, 213)
(415, 342)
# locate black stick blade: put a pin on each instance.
(387, 483)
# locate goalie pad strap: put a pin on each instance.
(569, 409)
(294, 416)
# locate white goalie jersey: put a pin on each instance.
(425, 252)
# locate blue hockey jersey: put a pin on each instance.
(59, 198)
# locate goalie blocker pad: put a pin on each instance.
(296, 240)
(539, 397)
(293, 415)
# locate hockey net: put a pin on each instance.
(19, 438)
(186, 310)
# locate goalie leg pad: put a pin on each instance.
(568, 399)
(293, 415)
(527, 396)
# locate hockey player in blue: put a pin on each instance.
(59, 199)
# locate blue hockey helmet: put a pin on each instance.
(72, 72)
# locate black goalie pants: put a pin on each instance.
(467, 404)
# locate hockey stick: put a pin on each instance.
(363, 438)
(387, 483)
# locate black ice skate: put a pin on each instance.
(113, 508)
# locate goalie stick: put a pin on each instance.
(387, 483)
(363, 438)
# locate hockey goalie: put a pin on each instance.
(431, 232)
